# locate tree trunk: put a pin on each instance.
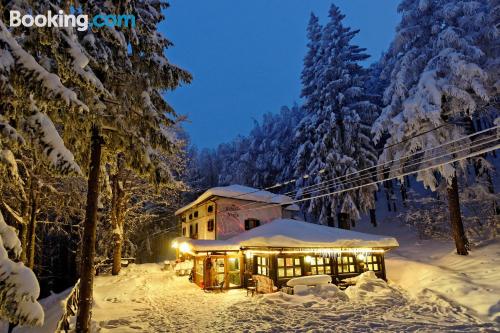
(457, 227)
(344, 222)
(89, 235)
(373, 217)
(23, 231)
(32, 225)
(118, 215)
(23, 238)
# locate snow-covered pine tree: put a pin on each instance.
(334, 135)
(19, 288)
(439, 78)
(136, 120)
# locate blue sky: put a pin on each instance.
(246, 56)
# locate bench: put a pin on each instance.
(264, 284)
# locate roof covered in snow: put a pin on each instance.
(241, 192)
(287, 233)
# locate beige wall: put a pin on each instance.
(202, 220)
(229, 216)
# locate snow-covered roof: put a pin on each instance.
(287, 233)
(242, 193)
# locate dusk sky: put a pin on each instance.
(246, 56)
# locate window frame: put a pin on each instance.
(351, 264)
(261, 264)
(297, 265)
(255, 224)
(377, 261)
(315, 265)
(210, 225)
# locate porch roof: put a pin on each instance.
(287, 233)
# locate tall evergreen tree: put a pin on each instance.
(439, 79)
(334, 135)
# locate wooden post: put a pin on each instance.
(89, 235)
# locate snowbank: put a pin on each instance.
(309, 280)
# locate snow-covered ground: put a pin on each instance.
(472, 281)
(146, 299)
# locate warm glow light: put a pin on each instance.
(336, 251)
(308, 259)
(361, 257)
(232, 259)
(184, 247)
(248, 254)
(175, 244)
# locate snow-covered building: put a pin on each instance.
(279, 249)
(222, 212)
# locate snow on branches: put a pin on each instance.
(19, 289)
(53, 147)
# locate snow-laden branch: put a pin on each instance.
(52, 144)
(19, 289)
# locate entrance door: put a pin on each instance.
(219, 271)
(233, 272)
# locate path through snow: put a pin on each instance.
(143, 298)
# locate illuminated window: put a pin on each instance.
(346, 264)
(320, 265)
(251, 223)
(210, 209)
(210, 225)
(262, 266)
(373, 262)
(289, 267)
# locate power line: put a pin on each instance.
(281, 184)
(482, 151)
(376, 167)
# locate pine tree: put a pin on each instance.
(334, 135)
(439, 78)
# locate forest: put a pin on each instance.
(94, 161)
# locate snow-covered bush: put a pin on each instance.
(19, 288)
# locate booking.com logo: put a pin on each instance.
(62, 20)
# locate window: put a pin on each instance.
(196, 228)
(190, 216)
(320, 265)
(190, 230)
(345, 264)
(251, 223)
(196, 214)
(210, 225)
(262, 266)
(184, 231)
(183, 218)
(373, 262)
(289, 267)
(210, 209)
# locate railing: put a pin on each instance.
(70, 309)
(71, 302)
